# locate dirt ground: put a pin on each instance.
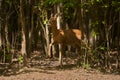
(73, 74)
(47, 69)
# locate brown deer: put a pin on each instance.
(64, 37)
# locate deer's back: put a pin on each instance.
(68, 37)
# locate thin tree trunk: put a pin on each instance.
(58, 18)
(59, 27)
(31, 30)
(106, 25)
(23, 43)
(45, 35)
(0, 24)
(47, 47)
(118, 46)
(0, 36)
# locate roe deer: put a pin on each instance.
(64, 37)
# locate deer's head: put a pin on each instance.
(53, 20)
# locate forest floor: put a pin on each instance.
(48, 69)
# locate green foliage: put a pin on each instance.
(86, 66)
(8, 1)
(95, 1)
(102, 48)
(8, 56)
(51, 2)
(94, 34)
(20, 59)
(116, 4)
(99, 48)
(54, 1)
(45, 21)
(95, 23)
(70, 3)
(66, 3)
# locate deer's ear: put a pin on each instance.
(56, 15)
(52, 15)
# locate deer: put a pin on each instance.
(64, 37)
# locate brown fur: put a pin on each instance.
(65, 37)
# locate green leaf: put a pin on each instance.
(98, 0)
(102, 48)
(105, 6)
(94, 34)
(86, 66)
(20, 59)
(45, 21)
(103, 22)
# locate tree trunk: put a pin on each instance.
(118, 46)
(59, 27)
(47, 47)
(0, 44)
(0, 24)
(45, 33)
(31, 28)
(23, 43)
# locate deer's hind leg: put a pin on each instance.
(78, 47)
(79, 52)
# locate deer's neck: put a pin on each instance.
(55, 31)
